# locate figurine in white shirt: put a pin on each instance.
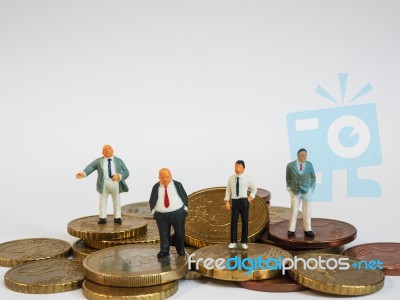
(236, 192)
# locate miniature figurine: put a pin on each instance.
(169, 206)
(300, 183)
(112, 173)
(236, 191)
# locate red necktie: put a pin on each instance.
(166, 198)
(301, 167)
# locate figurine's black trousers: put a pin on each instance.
(176, 219)
(240, 206)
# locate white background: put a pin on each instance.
(188, 85)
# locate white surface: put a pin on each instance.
(173, 83)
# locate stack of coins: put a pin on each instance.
(40, 266)
(132, 272)
(95, 236)
(330, 236)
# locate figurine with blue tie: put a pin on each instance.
(112, 173)
(236, 192)
(300, 183)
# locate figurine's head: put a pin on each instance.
(302, 155)
(165, 176)
(108, 151)
(239, 167)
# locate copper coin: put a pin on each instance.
(387, 253)
(281, 284)
(299, 251)
(328, 233)
(264, 194)
(139, 209)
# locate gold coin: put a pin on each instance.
(250, 264)
(152, 236)
(208, 221)
(194, 275)
(80, 250)
(45, 276)
(94, 291)
(327, 276)
(139, 209)
(17, 252)
(134, 266)
(279, 213)
(87, 228)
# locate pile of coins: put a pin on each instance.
(113, 261)
(132, 271)
(95, 236)
(40, 266)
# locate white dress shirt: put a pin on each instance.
(105, 167)
(175, 202)
(245, 183)
(302, 167)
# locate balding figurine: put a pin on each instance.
(169, 206)
(112, 173)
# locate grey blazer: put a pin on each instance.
(120, 168)
(300, 183)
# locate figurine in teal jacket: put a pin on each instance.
(300, 183)
(112, 173)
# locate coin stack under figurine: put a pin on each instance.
(94, 236)
(132, 271)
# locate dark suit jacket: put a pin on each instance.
(179, 189)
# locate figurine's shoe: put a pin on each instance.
(102, 221)
(162, 254)
(291, 234)
(232, 245)
(181, 253)
(244, 246)
(118, 221)
(309, 234)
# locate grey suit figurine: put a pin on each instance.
(112, 173)
(300, 183)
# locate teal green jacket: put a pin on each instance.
(120, 168)
(300, 183)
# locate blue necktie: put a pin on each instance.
(237, 186)
(109, 168)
